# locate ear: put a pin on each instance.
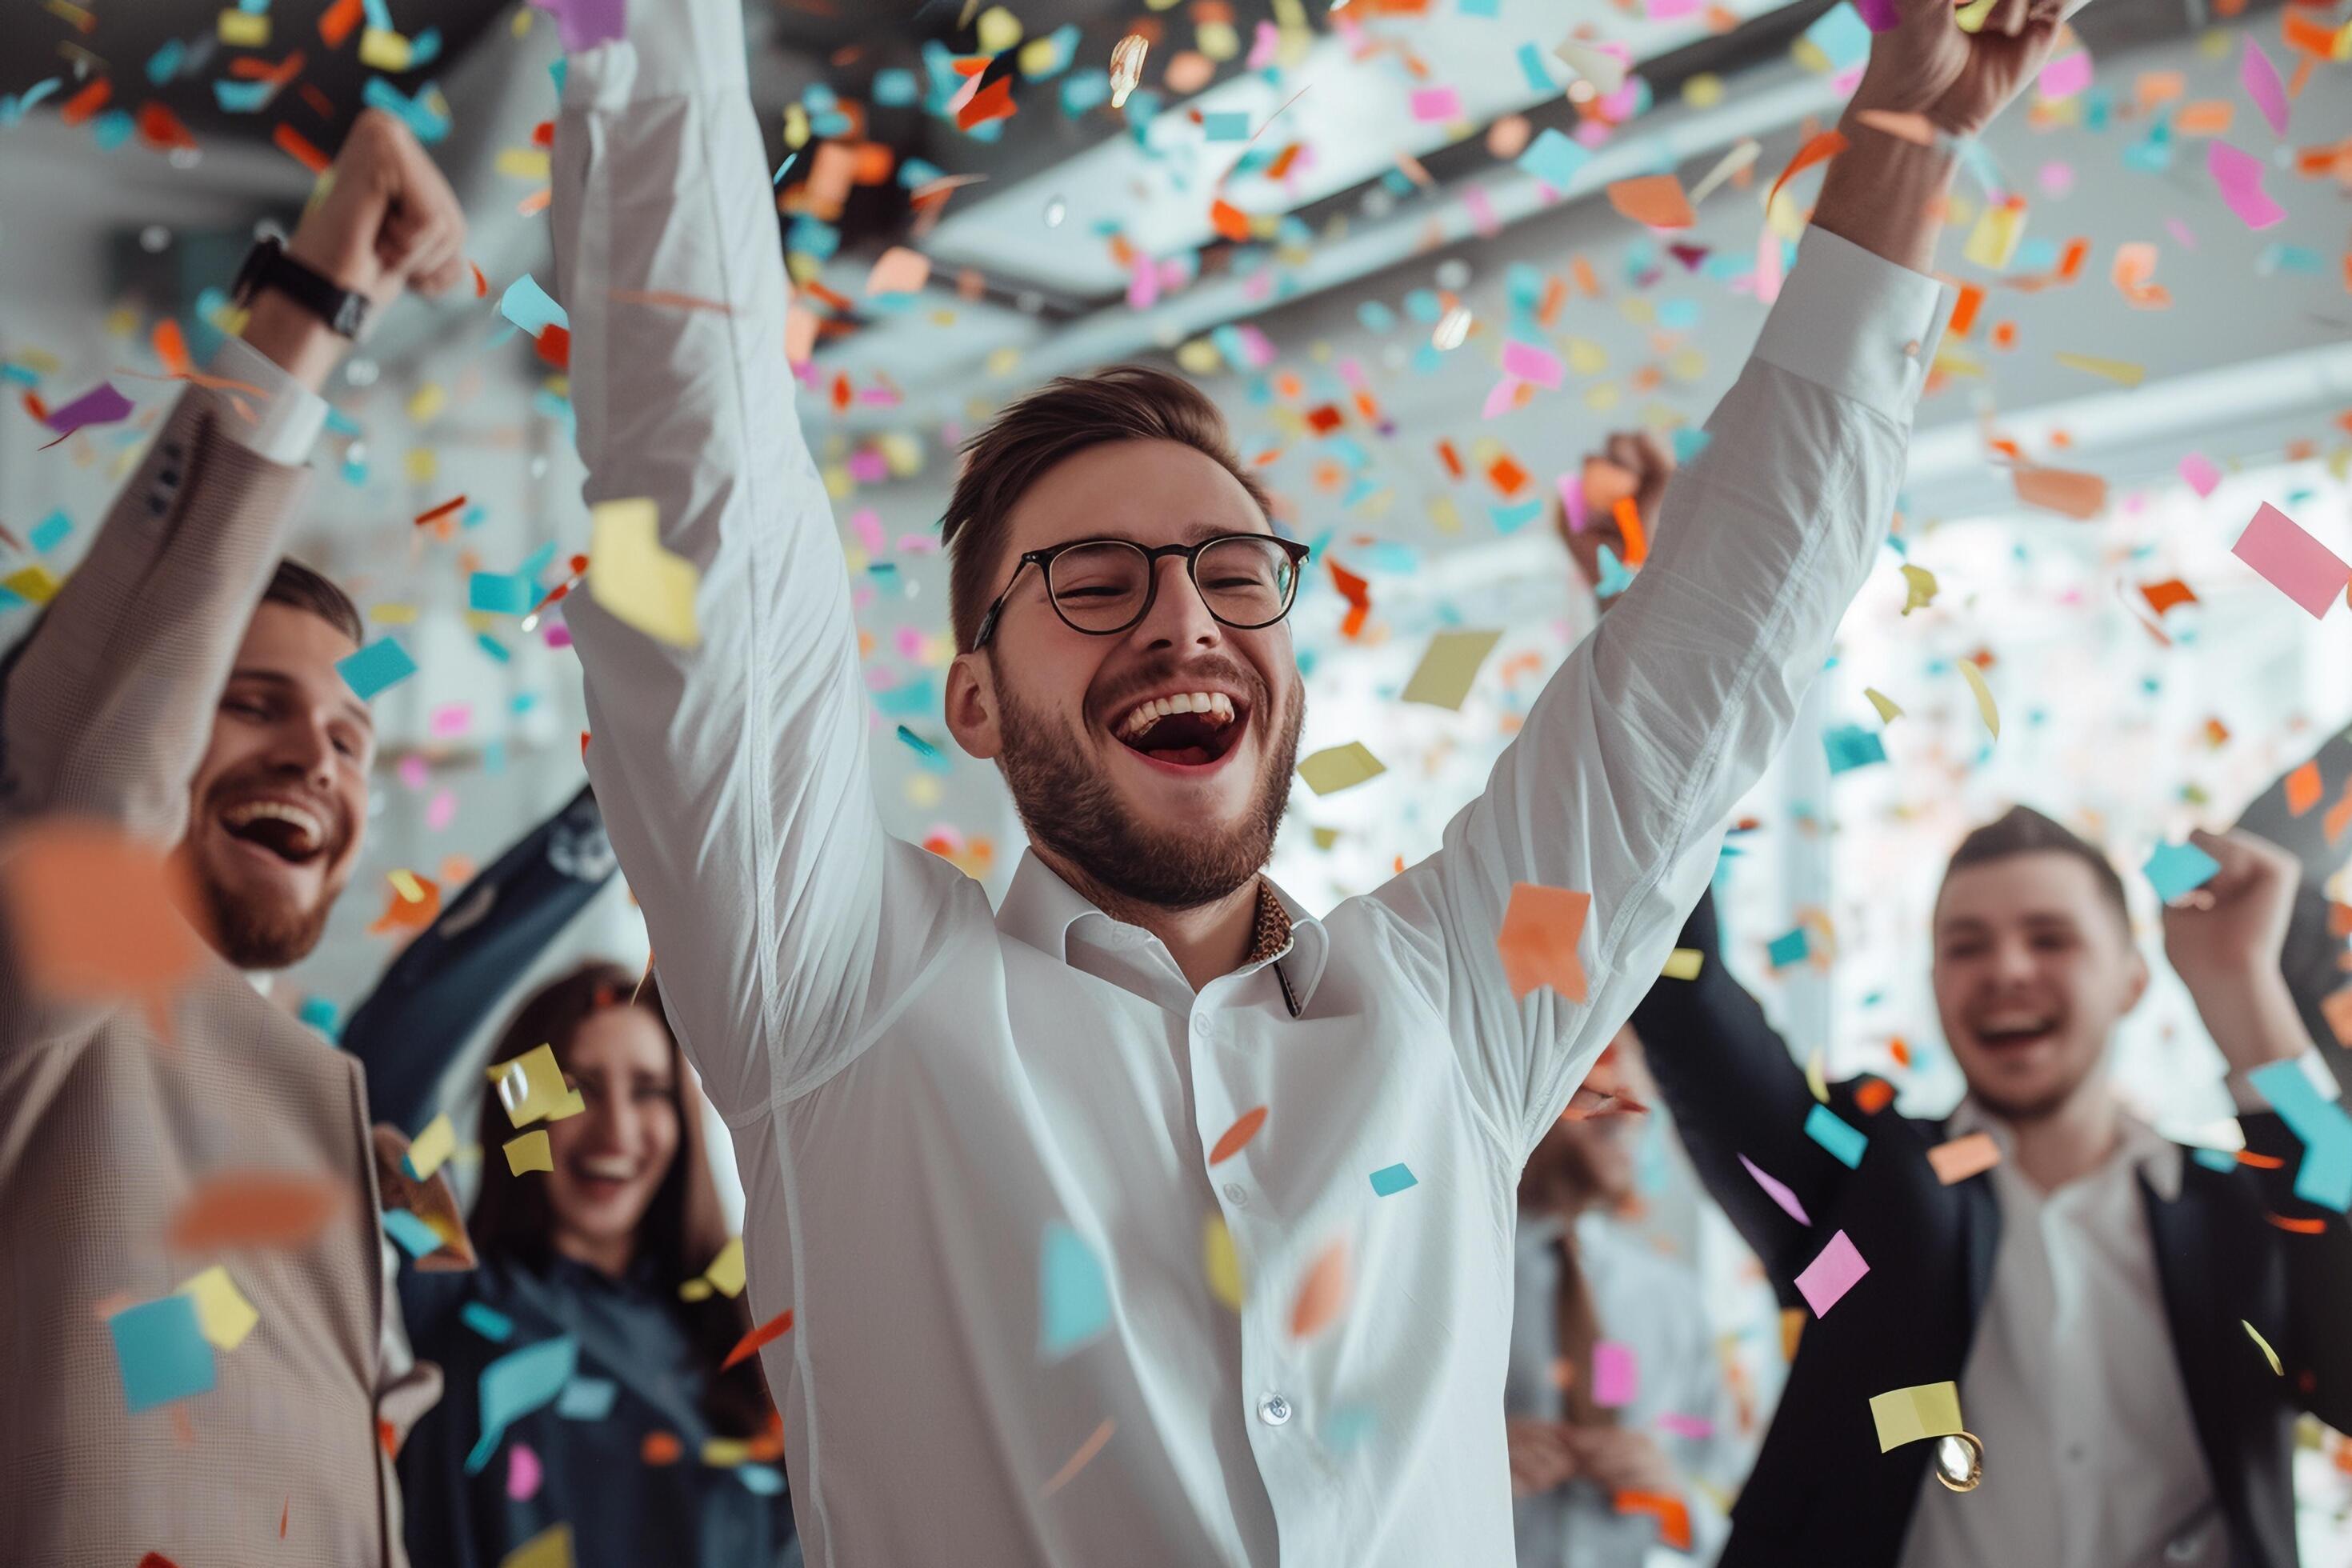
(971, 706)
(2136, 985)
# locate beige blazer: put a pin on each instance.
(104, 1130)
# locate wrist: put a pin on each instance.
(2252, 1018)
(293, 338)
(1886, 193)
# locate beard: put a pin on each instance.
(260, 933)
(1070, 807)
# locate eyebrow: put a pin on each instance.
(352, 709)
(1192, 533)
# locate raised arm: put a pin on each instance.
(1733, 1089)
(733, 773)
(1618, 782)
(110, 700)
(2224, 943)
(443, 986)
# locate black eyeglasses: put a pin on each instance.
(1103, 586)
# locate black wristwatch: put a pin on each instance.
(267, 266)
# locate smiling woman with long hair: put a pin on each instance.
(652, 1451)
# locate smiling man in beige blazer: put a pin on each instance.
(182, 689)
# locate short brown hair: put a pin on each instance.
(1068, 415)
(2021, 830)
(299, 587)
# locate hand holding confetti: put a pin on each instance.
(1930, 62)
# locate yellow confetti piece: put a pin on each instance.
(245, 29)
(1888, 709)
(1684, 963)
(1994, 238)
(524, 163)
(393, 614)
(1908, 1415)
(726, 1273)
(1336, 768)
(405, 884)
(1975, 677)
(1443, 515)
(1324, 836)
(550, 1548)
(423, 464)
(1219, 1262)
(432, 1148)
(33, 582)
(634, 577)
(1447, 670)
(1971, 17)
(386, 51)
(2263, 1344)
(999, 30)
(2116, 369)
(531, 1152)
(726, 1453)
(532, 1087)
(222, 1313)
(1817, 1076)
(1919, 588)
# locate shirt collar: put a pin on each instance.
(1040, 907)
(2138, 1145)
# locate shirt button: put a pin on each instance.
(1274, 1410)
(1237, 1194)
(1201, 1027)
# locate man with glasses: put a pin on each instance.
(1150, 1219)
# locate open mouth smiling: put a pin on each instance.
(293, 833)
(1183, 729)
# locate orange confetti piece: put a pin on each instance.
(1629, 523)
(1672, 1514)
(1541, 927)
(994, 102)
(2074, 495)
(1818, 150)
(267, 1209)
(482, 283)
(336, 22)
(444, 509)
(1323, 1294)
(1505, 474)
(1961, 1158)
(2299, 1227)
(160, 129)
(96, 917)
(2302, 788)
(297, 146)
(2162, 596)
(170, 346)
(284, 1514)
(661, 1449)
(1233, 1139)
(1872, 1095)
(1229, 220)
(86, 102)
(1079, 1460)
(1654, 200)
(776, 1327)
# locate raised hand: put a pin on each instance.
(1634, 463)
(2223, 939)
(1930, 63)
(387, 223)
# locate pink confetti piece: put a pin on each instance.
(1500, 398)
(2199, 474)
(450, 720)
(1533, 362)
(1698, 1429)
(413, 771)
(1614, 1375)
(2056, 179)
(1482, 211)
(1831, 1274)
(1436, 105)
(1778, 1190)
(1572, 499)
(2292, 561)
(101, 404)
(2064, 77)
(1878, 16)
(910, 642)
(2239, 174)
(1768, 266)
(2261, 80)
(441, 810)
(869, 530)
(523, 1473)
(584, 24)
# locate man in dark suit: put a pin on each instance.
(2097, 1294)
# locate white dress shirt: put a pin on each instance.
(2073, 1385)
(918, 1088)
(1649, 1304)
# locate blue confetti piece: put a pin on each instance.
(1842, 37)
(760, 1479)
(242, 96)
(1844, 1142)
(2325, 1175)
(932, 759)
(417, 113)
(1553, 158)
(380, 664)
(1689, 442)
(1074, 1295)
(50, 531)
(2174, 870)
(378, 15)
(916, 699)
(530, 307)
(2213, 1159)
(160, 1349)
(1225, 125)
(1789, 947)
(1851, 746)
(112, 128)
(516, 1384)
(415, 1237)
(586, 1399)
(164, 63)
(495, 648)
(894, 87)
(784, 168)
(1391, 1180)
(1479, 8)
(320, 1014)
(1531, 67)
(500, 592)
(488, 1322)
(1614, 578)
(1511, 519)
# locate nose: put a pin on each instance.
(2012, 964)
(305, 745)
(1179, 617)
(614, 1127)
